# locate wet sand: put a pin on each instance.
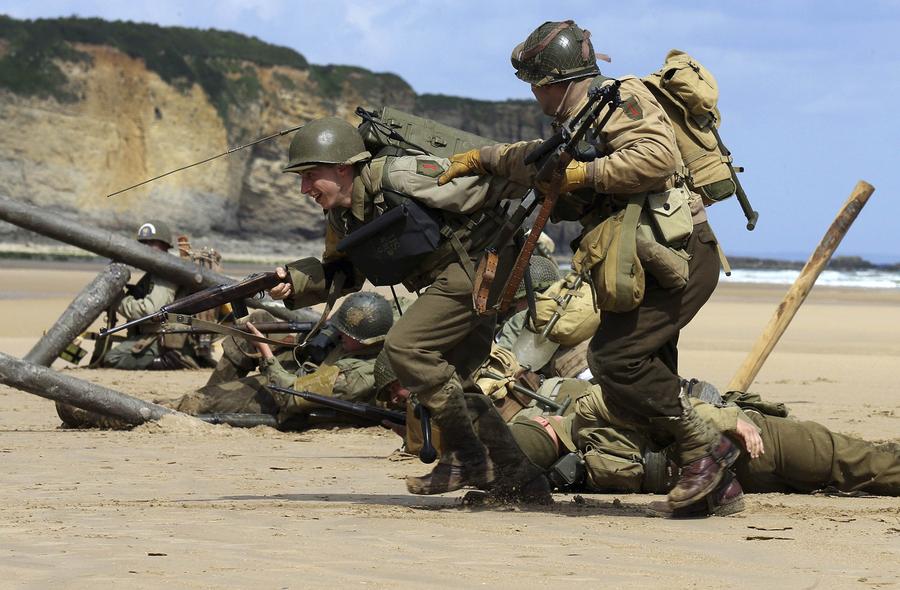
(183, 504)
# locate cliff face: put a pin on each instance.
(89, 107)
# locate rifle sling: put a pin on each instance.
(178, 318)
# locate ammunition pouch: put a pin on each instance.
(669, 215)
(173, 341)
(607, 472)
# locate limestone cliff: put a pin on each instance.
(88, 107)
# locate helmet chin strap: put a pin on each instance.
(562, 101)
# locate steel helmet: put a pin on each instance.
(555, 52)
(325, 141)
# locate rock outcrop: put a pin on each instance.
(88, 107)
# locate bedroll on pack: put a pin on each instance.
(413, 134)
(689, 94)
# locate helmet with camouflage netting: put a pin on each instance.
(555, 52)
(543, 272)
(384, 376)
(365, 316)
(155, 230)
(325, 141)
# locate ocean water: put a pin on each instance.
(863, 279)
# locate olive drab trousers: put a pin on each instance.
(634, 355)
(803, 456)
(440, 336)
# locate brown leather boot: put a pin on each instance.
(701, 476)
(465, 461)
(726, 499)
(451, 474)
(519, 479)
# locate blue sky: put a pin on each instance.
(808, 88)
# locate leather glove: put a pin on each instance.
(575, 177)
(464, 164)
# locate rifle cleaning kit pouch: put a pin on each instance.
(403, 234)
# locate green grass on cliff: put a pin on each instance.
(332, 78)
(180, 56)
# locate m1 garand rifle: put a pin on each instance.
(264, 327)
(552, 156)
(370, 413)
(181, 310)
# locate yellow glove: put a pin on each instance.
(464, 164)
(575, 177)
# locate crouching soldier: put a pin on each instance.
(371, 206)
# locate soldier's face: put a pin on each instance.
(328, 186)
(550, 96)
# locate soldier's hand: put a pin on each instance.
(750, 437)
(575, 177)
(264, 349)
(281, 290)
(465, 164)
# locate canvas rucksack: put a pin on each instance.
(689, 94)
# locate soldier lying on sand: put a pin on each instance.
(783, 455)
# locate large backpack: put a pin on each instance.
(414, 135)
(689, 94)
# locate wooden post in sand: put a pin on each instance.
(63, 388)
(796, 295)
(84, 309)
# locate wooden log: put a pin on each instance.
(796, 295)
(70, 390)
(97, 296)
(120, 249)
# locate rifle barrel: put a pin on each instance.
(361, 410)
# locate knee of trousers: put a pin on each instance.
(419, 370)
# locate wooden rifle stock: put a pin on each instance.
(209, 298)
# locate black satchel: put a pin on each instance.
(392, 246)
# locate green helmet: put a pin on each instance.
(365, 316)
(543, 272)
(555, 52)
(384, 376)
(325, 141)
(155, 230)
(535, 442)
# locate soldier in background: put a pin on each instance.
(347, 371)
(142, 348)
(633, 354)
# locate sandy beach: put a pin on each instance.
(186, 505)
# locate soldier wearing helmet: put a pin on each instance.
(633, 354)
(142, 349)
(441, 339)
(356, 333)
